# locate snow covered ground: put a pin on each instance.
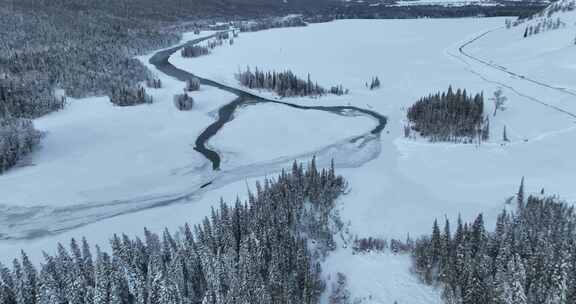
(547, 56)
(271, 131)
(413, 182)
(94, 151)
(397, 186)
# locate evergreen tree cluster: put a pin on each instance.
(270, 22)
(191, 51)
(374, 83)
(17, 138)
(183, 102)
(285, 84)
(27, 98)
(192, 84)
(129, 96)
(372, 244)
(530, 258)
(58, 44)
(449, 116)
(543, 26)
(214, 43)
(338, 90)
(253, 252)
(154, 83)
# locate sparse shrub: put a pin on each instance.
(340, 293)
(499, 100)
(369, 244)
(374, 83)
(543, 26)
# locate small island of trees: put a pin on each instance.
(449, 116)
(285, 84)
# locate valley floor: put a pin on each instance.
(143, 155)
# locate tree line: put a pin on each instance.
(26, 98)
(449, 116)
(530, 257)
(257, 251)
(285, 84)
(18, 105)
(260, 24)
(543, 26)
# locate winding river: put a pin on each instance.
(38, 221)
(226, 113)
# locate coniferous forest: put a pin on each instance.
(449, 116)
(264, 250)
(529, 258)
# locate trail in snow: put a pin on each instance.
(462, 51)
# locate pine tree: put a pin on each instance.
(520, 194)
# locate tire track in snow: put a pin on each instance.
(462, 51)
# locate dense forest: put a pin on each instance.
(543, 26)
(285, 84)
(264, 250)
(530, 258)
(17, 138)
(449, 116)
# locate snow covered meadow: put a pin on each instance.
(450, 178)
(133, 167)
